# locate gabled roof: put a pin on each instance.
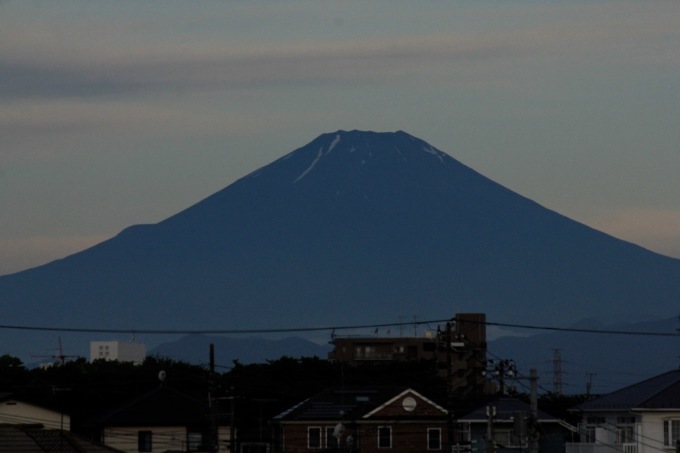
(407, 392)
(162, 406)
(505, 410)
(348, 403)
(32, 438)
(658, 392)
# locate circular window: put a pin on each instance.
(408, 404)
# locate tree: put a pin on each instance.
(12, 372)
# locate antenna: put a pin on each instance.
(589, 383)
(61, 356)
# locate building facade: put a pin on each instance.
(459, 348)
(123, 351)
(641, 418)
(367, 420)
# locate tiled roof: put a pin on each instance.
(160, 407)
(658, 392)
(505, 410)
(33, 439)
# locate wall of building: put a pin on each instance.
(651, 435)
(408, 437)
(124, 351)
(459, 348)
(17, 412)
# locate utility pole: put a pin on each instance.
(449, 384)
(501, 370)
(212, 400)
(232, 423)
(533, 438)
(490, 442)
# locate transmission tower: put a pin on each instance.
(557, 372)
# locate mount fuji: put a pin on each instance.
(353, 228)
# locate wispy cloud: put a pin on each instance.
(272, 65)
(34, 65)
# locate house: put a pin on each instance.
(641, 418)
(164, 420)
(459, 349)
(36, 439)
(509, 423)
(17, 412)
(366, 419)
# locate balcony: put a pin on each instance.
(373, 355)
(601, 448)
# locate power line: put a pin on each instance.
(322, 328)
(570, 329)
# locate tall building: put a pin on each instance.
(459, 348)
(123, 351)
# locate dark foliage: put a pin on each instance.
(13, 373)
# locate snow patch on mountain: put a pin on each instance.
(434, 152)
(333, 143)
(314, 162)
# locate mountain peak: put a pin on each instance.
(363, 147)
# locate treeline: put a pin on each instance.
(254, 392)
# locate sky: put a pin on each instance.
(127, 112)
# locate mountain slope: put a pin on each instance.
(353, 228)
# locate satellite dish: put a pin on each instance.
(338, 430)
(161, 375)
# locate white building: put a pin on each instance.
(123, 351)
(641, 418)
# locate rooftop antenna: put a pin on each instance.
(61, 356)
(589, 383)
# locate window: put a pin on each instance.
(589, 429)
(507, 438)
(313, 437)
(595, 420)
(588, 434)
(144, 441)
(194, 441)
(384, 437)
(462, 433)
(331, 440)
(434, 439)
(671, 432)
(625, 430)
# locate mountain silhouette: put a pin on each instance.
(353, 228)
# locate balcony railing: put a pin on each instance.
(601, 448)
(373, 355)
